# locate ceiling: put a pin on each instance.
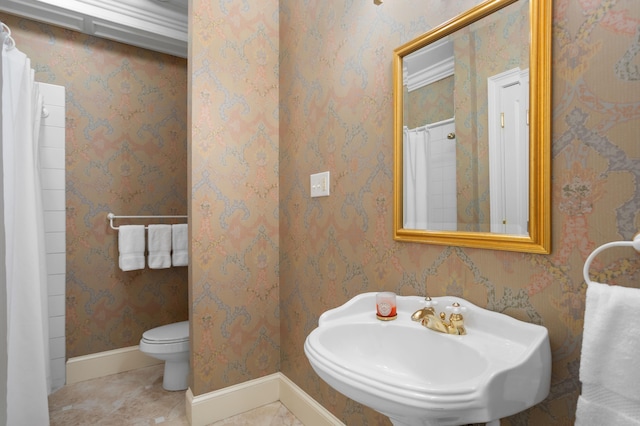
(157, 25)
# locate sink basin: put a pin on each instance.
(417, 376)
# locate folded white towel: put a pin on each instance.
(131, 247)
(159, 246)
(180, 239)
(610, 358)
(611, 339)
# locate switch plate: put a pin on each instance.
(320, 184)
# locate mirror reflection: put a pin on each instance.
(465, 128)
(472, 130)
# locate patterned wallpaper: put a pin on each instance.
(126, 127)
(234, 172)
(429, 104)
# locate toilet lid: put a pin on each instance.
(176, 332)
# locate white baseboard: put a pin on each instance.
(305, 408)
(218, 405)
(101, 364)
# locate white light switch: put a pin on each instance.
(320, 184)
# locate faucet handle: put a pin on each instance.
(428, 303)
(456, 308)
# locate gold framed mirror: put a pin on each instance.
(472, 132)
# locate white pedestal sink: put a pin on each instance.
(417, 376)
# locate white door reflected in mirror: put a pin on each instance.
(509, 151)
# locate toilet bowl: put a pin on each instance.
(170, 343)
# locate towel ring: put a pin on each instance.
(634, 243)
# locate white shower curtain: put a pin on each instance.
(28, 377)
(415, 154)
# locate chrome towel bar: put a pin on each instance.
(111, 217)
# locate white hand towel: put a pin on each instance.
(610, 358)
(598, 407)
(159, 246)
(131, 247)
(180, 239)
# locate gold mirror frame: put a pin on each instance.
(539, 238)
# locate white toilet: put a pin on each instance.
(170, 343)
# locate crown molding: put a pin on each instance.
(429, 64)
(152, 24)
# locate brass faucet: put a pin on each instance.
(428, 318)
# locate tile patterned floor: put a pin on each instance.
(136, 398)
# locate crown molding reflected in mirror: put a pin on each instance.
(536, 223)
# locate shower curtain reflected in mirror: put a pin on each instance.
(415, 186)
(429, 177)
(27, 358)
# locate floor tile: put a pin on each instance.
(137, 398)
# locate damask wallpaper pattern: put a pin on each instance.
(234, 206)
(126, 126)
(429, 104)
